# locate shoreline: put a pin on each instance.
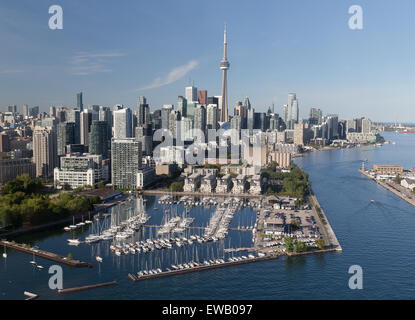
(392, 189)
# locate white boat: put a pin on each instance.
(40, 267)
(67, 229)
(4, 253)
(74, 241)
(33, 261)
(98, 258)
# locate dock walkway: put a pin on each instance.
(200, 268)
(46, 255)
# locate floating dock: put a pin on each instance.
(200, 268)
(93, 286)
(46, 255)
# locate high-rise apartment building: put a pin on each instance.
(44, 151)
(126, 157)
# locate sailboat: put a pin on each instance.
(98, 258)
(33, 261)
(73, 226)
(4, 253)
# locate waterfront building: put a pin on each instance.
(10, 169)
(126, 158)
(223, 184)
(208, 184)
(79, 170)
(282, 158)
(256, 185)
(408, 183)
(382, 169)
(358, 137)
(239, 184)
(145, 177)
(351, 125)
(192, 182)
(366, 125)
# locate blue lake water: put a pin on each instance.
(377, 236)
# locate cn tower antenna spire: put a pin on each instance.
(224, 66)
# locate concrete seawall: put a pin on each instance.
(335, 244)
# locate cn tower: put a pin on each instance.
(224, 66)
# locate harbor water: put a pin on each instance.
(378, 236)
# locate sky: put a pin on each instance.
(115, 51)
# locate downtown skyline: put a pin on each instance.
(333, 68)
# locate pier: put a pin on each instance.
(200, 268)
(94, 286)
(45, 255)
(201, 228)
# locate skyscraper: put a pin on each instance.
(143, 111)
(200, 118)
(292, 111)
(126, 157)
(316, 116)
(182, 106)
(191, 94)
(202, 96)
(98, 138)
(44, 151)
(65, 136)
(224, 66)
(74, 115)
(79, 102)
(212, 116)
(123, 123)
(86, 117)
(165, 115)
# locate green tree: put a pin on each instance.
(176, 186)
(299, 246)
(320, 244)
(288, 241)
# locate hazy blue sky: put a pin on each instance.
(115, 51)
